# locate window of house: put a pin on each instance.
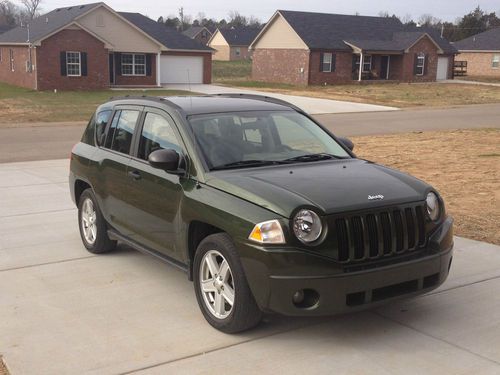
(420, 64)
(157, 134)
(73, 64)
(133, 64)
(326, 65)
(1, 55)
(495, 62)
(238, 51)
(367, 63)
(11, 59)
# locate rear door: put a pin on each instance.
(112, 168)
(157, 194)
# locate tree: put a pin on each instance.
(428, 20)
(32, 7)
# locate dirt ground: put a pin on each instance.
(463, 165)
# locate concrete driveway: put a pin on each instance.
(313, 106)
(65, 311)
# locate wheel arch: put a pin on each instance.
(197, 231)
(79, 187)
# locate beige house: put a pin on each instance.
(481, 52)
(232, 43)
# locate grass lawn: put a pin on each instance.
(402, 95)
(24, 105)
(233, 71)
(486, 79)
(463, 165)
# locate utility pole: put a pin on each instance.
(181, 17)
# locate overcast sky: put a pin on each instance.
(447, 10)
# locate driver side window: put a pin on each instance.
(157, 133)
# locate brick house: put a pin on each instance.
(232, 43)
(93, 47)
(199, 33)
(305, 48)
(482, 53)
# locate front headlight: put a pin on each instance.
(268, 232)
(432, 203)
(307, 226)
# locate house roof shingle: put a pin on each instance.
(329, 31)
(193, 31)
(485, 41)
(46, 24)
(240, 36)
(167, 36)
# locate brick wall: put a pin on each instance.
(245, 54)
(129, 80)
(342, 73)
(425, 45)
(49, 66)
(281, 65)
(207, 62)
(18, 77)
(479, 63)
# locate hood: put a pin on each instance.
(331, 186)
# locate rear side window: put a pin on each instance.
(100, 125)
(157, 133)
(88, 135)
(120, 133)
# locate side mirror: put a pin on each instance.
(166, 159)
(347, 143)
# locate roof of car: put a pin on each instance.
(197, 105)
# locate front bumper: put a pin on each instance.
(276, 275)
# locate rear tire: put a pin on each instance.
(221, 287)
(93, 228)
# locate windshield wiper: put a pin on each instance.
(313, 157)
(248, 164)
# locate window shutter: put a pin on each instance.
(321, 57)
(83, 56)
(426, 62)
(63, 63)
(118, 64)
(334, 61)
(148, 65)
(415, 62)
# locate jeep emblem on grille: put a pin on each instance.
(378, 197)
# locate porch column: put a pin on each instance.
(361, 57)
(158, 69)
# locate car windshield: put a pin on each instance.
(249, 139)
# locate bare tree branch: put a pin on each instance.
(32, 7)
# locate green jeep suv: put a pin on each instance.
(264, 209)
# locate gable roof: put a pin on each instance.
(169, 37)
(4, 28)
(239, 36)
(341, 32)
(46, 24)
(195, 30)
(486, 41)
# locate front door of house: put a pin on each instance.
(384, 67)
(111, 69)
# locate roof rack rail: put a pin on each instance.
(264, 98)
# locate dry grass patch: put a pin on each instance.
(487, 79)
(400, 95)
(463, 165)
(3, 368)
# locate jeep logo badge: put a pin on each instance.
(378, 197)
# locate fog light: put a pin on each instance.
(298, 297)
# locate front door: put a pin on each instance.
(384, 67)
(157, 194)
(111, 69)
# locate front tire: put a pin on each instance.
(221, 287)
(93, 228)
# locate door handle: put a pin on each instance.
(135, 175)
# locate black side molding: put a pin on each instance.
(118, 237)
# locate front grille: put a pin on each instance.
(374, 235)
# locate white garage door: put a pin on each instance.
(181, 69)
(442, 70)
